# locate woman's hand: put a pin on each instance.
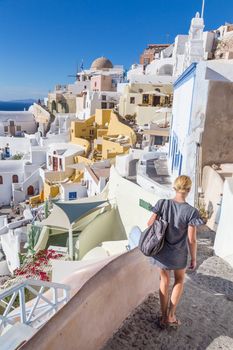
(193, 265)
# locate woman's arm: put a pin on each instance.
(192, 242)
(152, 219)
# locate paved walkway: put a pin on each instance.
(206, 311)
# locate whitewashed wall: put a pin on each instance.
(92, 186)
(17, 144)
(223, 245)
(188, 119)
(122, 164)
(127, 196)
(23, 119)
(212, 186)
(72, 187)
(8, 168)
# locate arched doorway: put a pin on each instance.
(65, 107)
(53, 106)
(30, 191)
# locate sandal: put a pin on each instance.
(161, 323)
(174, 324)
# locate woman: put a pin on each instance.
(182, 220)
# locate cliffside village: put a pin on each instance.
(81, 168)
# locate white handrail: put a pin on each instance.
(39, 310)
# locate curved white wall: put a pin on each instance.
(127, 195)
(90, 318)
(223, 244)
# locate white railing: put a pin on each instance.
(37, 311)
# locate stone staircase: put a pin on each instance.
(205, 310)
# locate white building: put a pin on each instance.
(72, 190)
(17, 123)
(62, 123)
(23, 173)
(201, 130)
(63, 98)
(194, 47)
(95, 178)
(102, 66)
(89, 101)
(60, 157)
(11, 172)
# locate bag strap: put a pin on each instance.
(163, 208)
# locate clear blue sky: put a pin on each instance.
(43, 40)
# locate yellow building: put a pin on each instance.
(106, 135)
(50, 190)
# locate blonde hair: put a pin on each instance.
(182, 184)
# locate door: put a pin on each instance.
(156, 100)
(30, 191)
(12, 128)
(55, 164)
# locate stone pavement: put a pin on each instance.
(206, 311)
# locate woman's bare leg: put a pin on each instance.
(164, 292)
(176, 294)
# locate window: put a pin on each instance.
(60, 164)
(146, 61)
(72, 195)
(103, 105)
(1, 180)
(111, 105)
(95, 83)
(104, 97)
(18, 128)
(5, 128)
(15, 179)
(132, 100)
(156, 100)
(145, 99)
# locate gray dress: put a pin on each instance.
(174, 254)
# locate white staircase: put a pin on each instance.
(17, 324)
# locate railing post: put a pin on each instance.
(67, 295)
(23, 315)
(55, 299)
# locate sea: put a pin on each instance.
(14, 105)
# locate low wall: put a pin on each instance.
(148, 184)
(223, 245)
(89, 319)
